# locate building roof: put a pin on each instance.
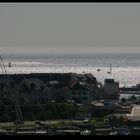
(109, 80)
(78, 86)
(90, 77)
(116, 83)
(36, 81)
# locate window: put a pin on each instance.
(79, 93)
(84, 93)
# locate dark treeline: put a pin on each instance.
(39, 112)
(50, 111)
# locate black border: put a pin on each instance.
(69, 1)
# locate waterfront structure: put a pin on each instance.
(93, 86)
(57, 91)
(130, 90)
(79, 92)
(39, 88)
(111, 89)
(32, 83)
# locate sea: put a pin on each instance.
(124, 68)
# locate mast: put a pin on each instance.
(109, 72)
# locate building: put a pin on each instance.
(111, 89)
(57, 91)
(79, 92)
(32, 83)
(90, 78)
(39, 88)
(130, 90)
(135, 113)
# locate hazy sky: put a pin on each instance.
(69, 27)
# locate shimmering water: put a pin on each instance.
(125, 68)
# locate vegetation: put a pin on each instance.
(49, 111)
(39, 112)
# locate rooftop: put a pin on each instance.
(78, 86)
(109, 80)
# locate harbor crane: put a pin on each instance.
(11, 94)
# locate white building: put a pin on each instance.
(135, 113)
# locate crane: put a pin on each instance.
(9, 91)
